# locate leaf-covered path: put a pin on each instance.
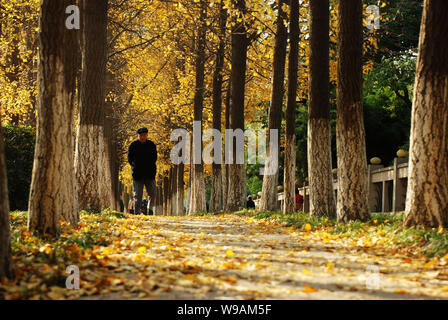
(232, 257)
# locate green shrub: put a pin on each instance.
(19, 152)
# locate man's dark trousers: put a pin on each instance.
(150, 185)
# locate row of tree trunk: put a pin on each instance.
(53, 193)
(169, 200)
(428, 173)
(63, 181)
(228, 181)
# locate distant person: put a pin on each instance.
(299, 200)
(121, 204)
(131, 205)
(142, 157)
(250, 203)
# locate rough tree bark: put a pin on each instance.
(114, 161)
(198, 183)
(427, 196)
(165, 195)
(289, 176)
(216, 190)
(169, 196)
(91, 156)
(180, 190)
(173, 186)
(352, 200)
(158, 210)
(52, 193)
(225, 167)
(268, 200)
(112, 140)
(5, 236)
(236, 197)
(190, 180)
(319, 130)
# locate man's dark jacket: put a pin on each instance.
(143, 157)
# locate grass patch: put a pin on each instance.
(205, 213)
(41, 259)
(91, 231)
(105, 213)
(432, 242)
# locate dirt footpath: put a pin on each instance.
(231, 257)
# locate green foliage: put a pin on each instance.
(19, 151)
(387, 107)
(254, 184)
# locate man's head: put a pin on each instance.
(250, 198)
(142, 134)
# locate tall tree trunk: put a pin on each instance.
(91, 156)
(427, 196)
(158, 210)
(352, 200)
(112, 141)
(268, 200)
(174, 191)
(289, 176)
(216, 191)
(165, 194)
(236, 197)
(198, 183)
(225, 167)
(52, 193)
(319, 130)
(112, 158)
(5, 236)
(190, 180)
(180, 190)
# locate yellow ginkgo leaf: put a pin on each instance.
(401, 291)
(190, 277)
(230, 279)
(306, 271)
(307, 227)
(46, 249)
(230, 253)
(307, 288)
(430, 263)
(141, 250)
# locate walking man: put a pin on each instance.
(142, 157)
